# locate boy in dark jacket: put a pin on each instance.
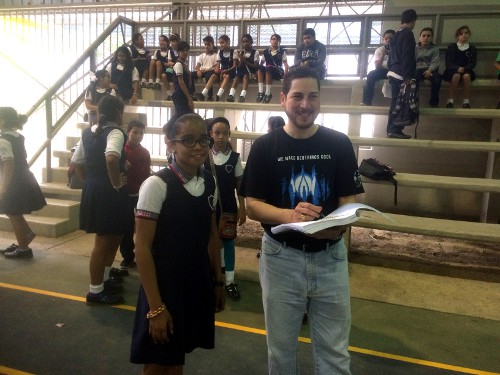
(311, 53)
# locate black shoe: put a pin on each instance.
(18, 253)
(230, 98)
(217, 98)
(104, 298)
(267, 98)
(169, 98)
(112, 286)
(449, 105)
(117, 272)
(232, 292)
(201, 97)
(260, 97)
(9, 249)
(126, 264)
(466, 105)
(241, 99)
(157, 86)
(398, 135)
(194, 97)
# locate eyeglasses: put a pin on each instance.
(204, 141)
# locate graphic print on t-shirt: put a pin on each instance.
(306, 187)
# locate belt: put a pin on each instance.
(312, 248)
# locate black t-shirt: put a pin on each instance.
(284, 171)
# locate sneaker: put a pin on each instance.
(9, 249)
(232, 292)
(117, 272)
(103, 298)
(466, 105)
(126, 264)
(150, 85)
(241, 99)
(449, 105)
(230, 98)
(364, 104)
(267, 98)
(398, 135)
(112, 286)
(18, 253)
(260, 97)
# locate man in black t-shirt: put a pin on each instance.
(298, 173)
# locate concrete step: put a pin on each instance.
(60, 208)
(59, 174)
(44, 226)
(71, 141)
(59, 190)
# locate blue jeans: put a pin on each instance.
(294, 282)
(371, 79)
(435, 80)
(395, 88)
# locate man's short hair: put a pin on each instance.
(409, 15)
(310, 32)
(390, 31)
(183, 46)
(296, 73)
(135, 124)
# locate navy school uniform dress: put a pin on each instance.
(23, 195)
(103, 210)
(180, 253)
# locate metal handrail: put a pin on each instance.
(53, 130)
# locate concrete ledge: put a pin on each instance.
(464, 230)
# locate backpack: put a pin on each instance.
(406, 111)
(376, 170)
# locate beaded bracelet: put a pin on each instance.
(156, 312)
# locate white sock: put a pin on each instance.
(268, 89)
(144, 80)
(261, 86)
(232, 91)
(229, 277)
(106, 272)
(450, 101)
(222, 263)
(96, 288)
(205, 92)
(169, 92)
(243, 93)
(158, 80)
(151, 80)
(220, 92)
(466, 101)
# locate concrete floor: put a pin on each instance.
(404, 322)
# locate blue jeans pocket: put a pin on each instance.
(338, 251)
(270, 247)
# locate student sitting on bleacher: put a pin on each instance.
(248, 62)
(461, 59)
(271, 67)
(158, 63)
(380, 72)
(205, 65)
(311, 53)
(427, 56)
(140, 57)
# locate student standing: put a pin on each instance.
(183, 101)
(274, 66)
(295, 174)
(124, 76)
(461, 59)
(178, 254)
(19, 190)
(380, 58)
(402, 66)
(427, 57)
(138, 167)
(99, 160)
(229, 172)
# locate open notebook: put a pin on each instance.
(344, 215)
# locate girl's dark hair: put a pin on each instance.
(129, 64)
(460, 29)
(12, 119)
(109, 107)
(182, 46)
(277, 36)
(100, 73)
(164, 37)
(174, 37)
(135, 37)
(276, 122)
(427, 29)
(248, 36)
(225, 38)
(173, 125)
(215, 120)
(209, 38)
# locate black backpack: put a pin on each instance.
(376, 170)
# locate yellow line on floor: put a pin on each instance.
(10, 371)
(257, 331)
